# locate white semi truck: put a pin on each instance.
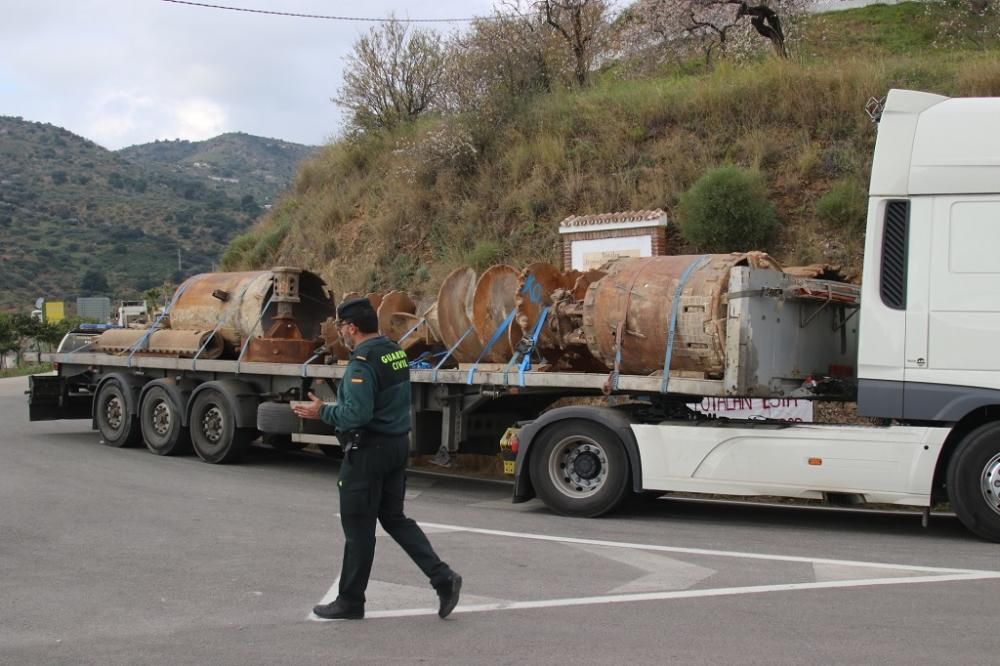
(922, 358)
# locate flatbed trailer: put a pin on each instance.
(921, 358)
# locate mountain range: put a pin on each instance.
(77, 219)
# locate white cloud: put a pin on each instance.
(199, 119)
(122, 73)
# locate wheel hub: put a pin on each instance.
(211, 425)
(990, 483)
(113, 410)
(161, 418)
(579, 466)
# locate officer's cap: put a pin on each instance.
(350, 311)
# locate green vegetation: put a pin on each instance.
(844, 206)
(402, 207)
(727, 210)
(76, 219)
(33, 369)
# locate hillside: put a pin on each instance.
(74, 215)
(402, 208)
(241, 164)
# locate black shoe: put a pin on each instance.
(448, 595)
(339, 611)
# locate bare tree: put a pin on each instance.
(727, 26)
(581, 24)
(499, 63)
(393, 75)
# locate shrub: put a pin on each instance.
(844, 206)
(727, 210)
(484, 254)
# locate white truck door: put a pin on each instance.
(963, 298)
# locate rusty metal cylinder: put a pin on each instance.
(233, 302)
(638, 294)
(167, 342)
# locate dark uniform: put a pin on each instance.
(372, 418)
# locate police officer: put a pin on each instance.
(372, 419)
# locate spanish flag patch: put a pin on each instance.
(357, 380)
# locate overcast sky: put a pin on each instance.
(122, 72)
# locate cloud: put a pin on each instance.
(121, 73)
(199, 119)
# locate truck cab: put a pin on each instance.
(930, 315)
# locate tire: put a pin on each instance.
(214, 434)
(579, 468)
(160, 422)
(118, 428)
(276, 418)
(973, 481)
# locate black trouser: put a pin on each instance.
(372, 486)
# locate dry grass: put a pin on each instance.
(398, 211)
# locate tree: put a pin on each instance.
(731, 27)
(582, 25)
(9, 339)
(393, 76)
(498, 64)
(94, 282)
(975, 22)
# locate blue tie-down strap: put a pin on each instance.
(450, 352)
(489, 345)
(144, 340)
(310, 360)
(218, 325)
(246, 343)
(526, 360)
(674, 309)
(412, 329)
(425, 361)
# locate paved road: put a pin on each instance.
(120, 557)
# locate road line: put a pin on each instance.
(936, 575)
(685, 594)
(714, 553)
(330, 595)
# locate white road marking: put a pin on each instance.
(831, 567)
(700, 551)
(685, 594)
(662, 573)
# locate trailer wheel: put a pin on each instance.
(579, 468)
(160, 421)
(974, 481)
(118, 428)
(214, 434)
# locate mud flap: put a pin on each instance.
(50, 399)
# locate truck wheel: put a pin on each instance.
(118, 428)
(974, 481)
(579, 468)
(160, 421)
(214, 434)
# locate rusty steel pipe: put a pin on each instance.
(234, 302)
(638, 294)
(165, 342)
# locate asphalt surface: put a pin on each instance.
(117, 556)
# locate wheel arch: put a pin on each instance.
(241, 397)
(974, 419)
(619, 423)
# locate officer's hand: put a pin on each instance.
(308, 410)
